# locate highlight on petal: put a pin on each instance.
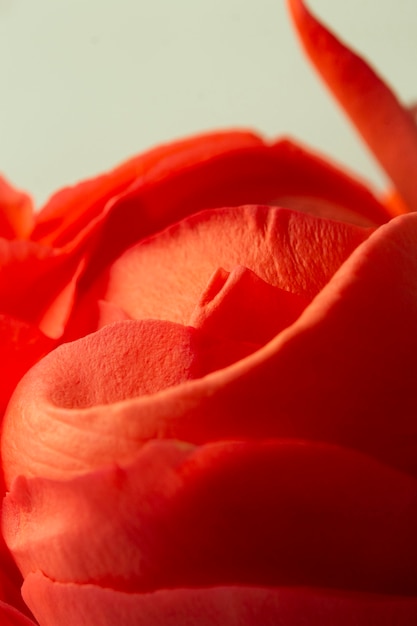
(125, 360)
(268, 513)
(385, 125)
(83, 605)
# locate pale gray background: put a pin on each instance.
(88, 83)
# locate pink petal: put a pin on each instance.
(386, 126)
(76, 605)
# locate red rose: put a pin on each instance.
(230, 437)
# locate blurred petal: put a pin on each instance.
(387, 127)
(170, 182)
(16, 212)
(10, 616)
(305, 181)
(76, 605)
(109, 313)
(70, 210)
(22, 345)
(10, 578)
(37, 284)
(277, 174)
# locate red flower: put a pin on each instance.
(227, 433)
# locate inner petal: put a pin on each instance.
(241, 306)
(163, 277)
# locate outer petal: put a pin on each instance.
(37, 284)
(16, 212)
(307, 182)
(22, 345)
(75, 605)
(164, 185)
(12, 617)
(387, 127)
(70, 210)
(266, 513)
(10, 581)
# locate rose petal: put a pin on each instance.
(272, 513)
(76, 605)
(249, 175)
(22, 345)
(344, 372)
(387, 127)
(163, 276)
(305, 181)
(10, 579)
(109, 313)
(205, 171)
(125, 360)
(37, 284)
(16, 212)
(71, 210)
(10, 616)
(241, 306)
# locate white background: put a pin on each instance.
(88, 83)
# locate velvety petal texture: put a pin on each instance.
(296, 384)
(164, 276)
(314, 514)
(209, 360)
(323, 477)
(49, 261)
